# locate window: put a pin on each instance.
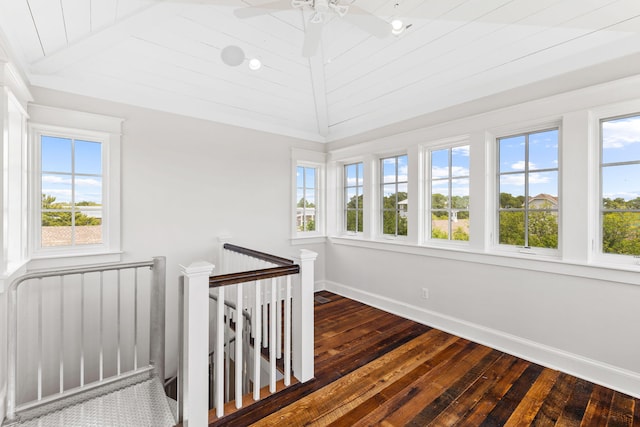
(307, 196)
(620, 189)
(528, 189)
(353, 197)
(71, 191)
(74, 187)
(393, 203)
(450, 193)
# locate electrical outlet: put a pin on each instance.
(425, 293)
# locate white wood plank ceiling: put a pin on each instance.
(165, 55)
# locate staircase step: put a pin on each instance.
(141, 404)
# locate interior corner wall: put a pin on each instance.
(584, 324)
(185, 182)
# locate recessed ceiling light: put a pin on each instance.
(397, 27)
(255, 64)
(232, 55)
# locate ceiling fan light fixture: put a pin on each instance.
(232, 55)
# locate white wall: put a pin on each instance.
(186, 181)
(574, 312)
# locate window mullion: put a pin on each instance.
(450, 191)
(526, 190)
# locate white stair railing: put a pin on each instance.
(277, 294)
(75, 332)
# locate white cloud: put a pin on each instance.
(56, 179)
(622, 194)
(512, 180)
(464, 150)
(91, 182)
(439, 172)
(443, 172)
(620, 133)
(519, 166)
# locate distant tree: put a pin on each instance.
(460, 234)
(354, 211)
(438, 233)
(59, 214)
(509, 201)
(438, 201)
(311, 225)
(304, 203)
(391, 215)
(543, 229)
(621, 233)
(512, 228)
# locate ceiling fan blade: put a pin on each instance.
(312, 37)
(368, 22)
(261, 9)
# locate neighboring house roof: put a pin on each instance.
(543, 197)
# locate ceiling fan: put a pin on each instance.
(322, 12)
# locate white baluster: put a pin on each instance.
(287, 333)
(257, 320)
(239, 344)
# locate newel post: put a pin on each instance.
(195, 348)
(303, 340)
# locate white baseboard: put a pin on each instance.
(618, 379)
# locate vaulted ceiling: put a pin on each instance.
(166, 55)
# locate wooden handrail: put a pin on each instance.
(259, 255)
(250, 276)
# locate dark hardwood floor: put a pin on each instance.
(374, 368)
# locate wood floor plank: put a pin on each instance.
(449, 396)
(574, 410)
(503, 410)
(465, 403)
(489, 401)
(530, 404)
(597, 412)
(555, 402)
(375, 368)
(621, 412)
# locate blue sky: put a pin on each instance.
(621, 143)
(459, 171)
(59, 155)
(543, 155)
(306, 182)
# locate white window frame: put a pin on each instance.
(599, 115)
(428, 178)
(380, 195)
(309, 159)
(516, 131)
(79, 125)
(344, 201)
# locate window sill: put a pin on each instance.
(308, 240)
(627, 274)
